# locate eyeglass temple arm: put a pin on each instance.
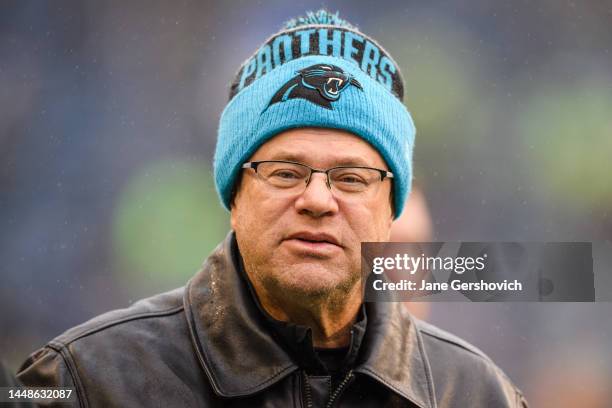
(385, 173)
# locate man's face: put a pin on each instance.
(277, 232)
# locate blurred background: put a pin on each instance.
(108, 118)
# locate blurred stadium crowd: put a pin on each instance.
(108, 117)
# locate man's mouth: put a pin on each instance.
(319, 243)
(315, 237)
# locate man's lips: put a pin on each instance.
(319, 243)
(315, 237)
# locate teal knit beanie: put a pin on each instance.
(319, 71)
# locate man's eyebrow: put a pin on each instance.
(301, 158)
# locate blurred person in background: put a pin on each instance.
(314, 156)
(414, 225)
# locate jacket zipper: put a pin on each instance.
(307, 391)
(340, 389)
(333, 397)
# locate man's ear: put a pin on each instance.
(233, 211)
(235, 190)
(233, 220)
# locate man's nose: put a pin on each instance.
(317, 199)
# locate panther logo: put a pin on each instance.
(320, 84)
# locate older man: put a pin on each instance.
(313, 158)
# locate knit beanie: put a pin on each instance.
(319, 71)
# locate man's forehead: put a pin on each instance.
(325, 146)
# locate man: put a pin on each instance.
(313, 158)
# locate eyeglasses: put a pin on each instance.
(295, 177)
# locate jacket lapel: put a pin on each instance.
(228, 332)
(393, 354)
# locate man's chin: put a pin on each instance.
(309, 280)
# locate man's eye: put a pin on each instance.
(350, 179)
(286, 175)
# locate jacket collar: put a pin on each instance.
(297, 339)
(237, 353)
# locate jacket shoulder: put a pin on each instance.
(158, 306)
(99, 357)
(433, 333)
(455, 362)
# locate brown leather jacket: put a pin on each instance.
(206, 345)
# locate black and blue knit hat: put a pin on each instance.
(319, 71)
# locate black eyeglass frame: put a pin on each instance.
(383, 173)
